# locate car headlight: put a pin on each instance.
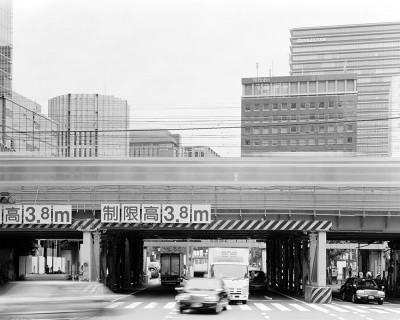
(360, 292)
(211, 298)
(381, 293)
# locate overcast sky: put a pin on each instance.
(178, 63)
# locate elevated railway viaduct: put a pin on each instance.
(293, 204)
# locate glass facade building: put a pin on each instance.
(6, 48)
(91, 125)
(25, 132)
(299, 114)
(370, 50)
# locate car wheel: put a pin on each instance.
(343, 296)
(181, 309)
(244, 301)
(380, 302)
(353, 298)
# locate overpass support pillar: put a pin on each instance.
(318, 292)
(90, 256)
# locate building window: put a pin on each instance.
(331, 129)
(284, 117)
(274, 118)
(302, 105)
(275, 107)
(247, 108)
(340, 128)
(330, 105)
(246, 130)
(312, 105)
(284, 130)
(265, 107)
(349, 140)
(275, 143)
(302, 142)
(339, 140)
(340, 104)
(311, 142)
(256, 130)
(256, 107)
(312, 117)
(283, 142)
(284, 106)
(331, 141)
(265, 143)
(293, 142)
(321, 142)
(312, 87)
(293, 106)
(246, 142)
(321, 105)
(293, 129)
(293, 117)
(265, 130)
(256, 143)
(321, 128)
(274, 130)
(321, 117)
(349, 128)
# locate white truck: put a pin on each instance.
(232, 266)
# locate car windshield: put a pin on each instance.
(229, 271)
(366, 284)
(203, 284)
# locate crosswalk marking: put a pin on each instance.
(114, 305)
(170, 305)
(151, 305)
(133, 305)
(355, 309)
(244, 307)
(334, 307)
(298, 307)
(228, 307)
(318, 308)
(377, 310)
(262, 306)
(280, 307)
(393, 310)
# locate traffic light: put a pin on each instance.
(6, 197)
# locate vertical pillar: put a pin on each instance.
(263, 260)
(96, 256)
(321, 259)
(313, 249)
(86, 256)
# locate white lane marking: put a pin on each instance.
(298, 307)
(336, 308)
(262, 306)
(170, 305)
(114, 305)
(244, 307)
(280, 307)
(393, 310)
(318, 308)
(355, 309)
(133, 305)
(378, 311)
(151, 305)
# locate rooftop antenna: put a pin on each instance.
(257, 68)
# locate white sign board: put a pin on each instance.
(36, 214)
(62, 214)
(176, 213)
(130, 213)
(201, 213)
(110, 213)
(151, 213)
(12, 214)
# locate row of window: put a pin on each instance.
(342, 64)
(298, 142)
(300, 118)
(345, 29)
(341, 47)
(296, 129)
(298, 105)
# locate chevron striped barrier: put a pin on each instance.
(318, 294)
(216, 225)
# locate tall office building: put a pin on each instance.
(91, 125)
(370, 50)
(299, 114)
(6, 48)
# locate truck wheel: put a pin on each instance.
(244, 301)
(380, 302)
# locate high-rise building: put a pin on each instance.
(6, 48)
(370, 50)
(24, 131)
(299, 114)
(91, 125)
